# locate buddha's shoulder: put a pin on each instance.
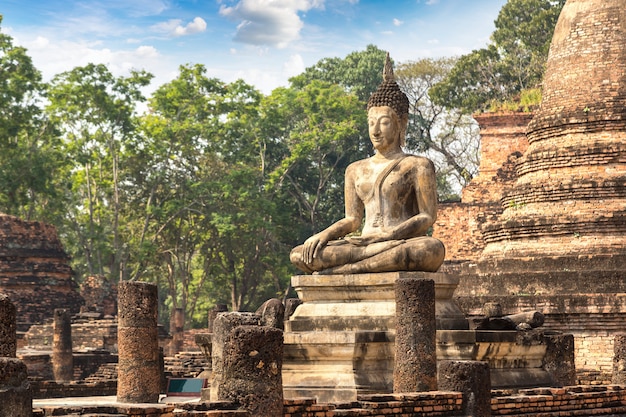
(418, 161)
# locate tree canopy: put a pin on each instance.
(207, 191)
(514, 61)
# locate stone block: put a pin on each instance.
(252, 378)
(8, 337)
(470, 378)
(16, 398)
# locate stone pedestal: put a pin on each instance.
(339, 343)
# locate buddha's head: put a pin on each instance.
(388, 94)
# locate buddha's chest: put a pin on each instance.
(380, 182)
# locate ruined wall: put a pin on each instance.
(458, 225)
(34, 271)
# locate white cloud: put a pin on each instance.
(174, 27)
(397, 22)
(167, 27)
(293, 66)
(198, 25)
(145, 51)
(268, 22)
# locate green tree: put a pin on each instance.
(314, 171)
(208, 221)
(29, 156)
(514, 60)
(95, 114)
(359, 73)
(449, 137)
(319, 126)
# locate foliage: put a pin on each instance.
(208, 219)
(514, 61)
(94, 112)
(322, 138)
(29, 154)
(447, 136)
(359, 73)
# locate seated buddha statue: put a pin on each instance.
(395, 192)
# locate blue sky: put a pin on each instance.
(263, 42)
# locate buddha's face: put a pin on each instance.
(384, 129)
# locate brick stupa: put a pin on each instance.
(34, 271)
(563, 226)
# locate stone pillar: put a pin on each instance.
(272, 313)
(16, 398)
(619, 359)
(62, 359)
(223, 325)
(8, 331)
(559, 359)
(139, 373)
(177, 327)
(472, 378)
(252, 373)
(415, 367)
(220, 308)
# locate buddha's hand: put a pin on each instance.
(369, 239)
(312, 246)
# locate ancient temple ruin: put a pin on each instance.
(35, 271)
(557, 241)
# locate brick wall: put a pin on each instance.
(34, 271)
(544, 402)
(458, 225)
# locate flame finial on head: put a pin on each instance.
(388, 93)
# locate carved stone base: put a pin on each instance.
(340, 342)
(366, 302)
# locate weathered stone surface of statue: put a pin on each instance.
(393, 192)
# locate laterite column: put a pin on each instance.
(415, 366)
(8, 333)
(139, 373)
(473, 379)
(619, 359)
(16, 397)
(62, 359)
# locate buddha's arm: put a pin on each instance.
(426, 186)
(350, 223)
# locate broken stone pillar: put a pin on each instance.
(62, 359)
(559, 359)
(223, 325)
(252, 370)
(139, 373)
(177, 327)
(272, 313)
(16, 398)
(415, 366)
(471, 378)
(619, 359)
(8, 331)
(220, 308)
